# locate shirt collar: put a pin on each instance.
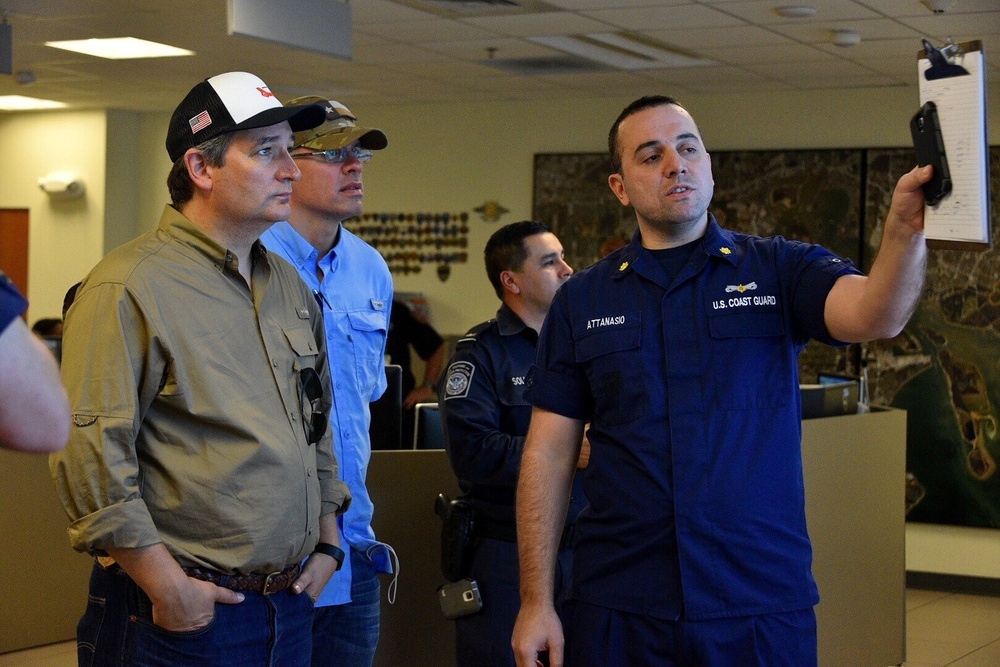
(295, 247)
(717, 242)
(174, 223)
(508, 322)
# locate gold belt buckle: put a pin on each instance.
(270, 586)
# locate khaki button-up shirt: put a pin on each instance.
(188, 406)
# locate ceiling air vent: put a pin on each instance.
(466, 8)
(545, 65)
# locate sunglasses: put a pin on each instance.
(314, 418)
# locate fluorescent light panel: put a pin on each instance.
(120, 48)
(621, 50)
(22, 103)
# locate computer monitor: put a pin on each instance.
(829, 400)
(386, 428)
(835, 378)
(428, 433)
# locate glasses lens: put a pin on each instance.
(339, 155)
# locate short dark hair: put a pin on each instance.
(179, 182)
(46, 326)
(505, 250)
(642, 103)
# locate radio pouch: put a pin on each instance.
(457, 523)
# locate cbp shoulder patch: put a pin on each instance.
(459, 380)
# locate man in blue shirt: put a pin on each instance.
(352, 283)
(680, 349)
(486, 418)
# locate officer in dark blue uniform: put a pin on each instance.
(681, 351)
(486, 419)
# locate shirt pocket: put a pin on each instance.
(303, 345)
(612, 359)
(368, 331)
(751, 360)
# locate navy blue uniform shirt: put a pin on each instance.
(697, 503)
(486, 416)
(12, 304)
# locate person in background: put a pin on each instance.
(406, 329)
(200, 472)
(611, 244)
(353, 286)
(34, 409)
(47, 327)
(486, 418)
(680, 350)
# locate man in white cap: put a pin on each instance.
(199, 471)
(353, 287)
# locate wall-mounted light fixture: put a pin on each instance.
(62, 184)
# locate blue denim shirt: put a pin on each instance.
(356, 297)
(697, 501)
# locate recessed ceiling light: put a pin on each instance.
(796, 11)
(846, 37)
(22, 103)
(120, 48)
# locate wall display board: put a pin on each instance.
(944, 369)
(408, 241)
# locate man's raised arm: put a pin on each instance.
(862, 308)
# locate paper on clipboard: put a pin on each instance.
(961, 219)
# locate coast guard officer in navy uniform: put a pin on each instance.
(486, 418)
(680, 349)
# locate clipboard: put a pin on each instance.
(953, 77)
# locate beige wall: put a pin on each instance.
(447, 157)
(66, 236)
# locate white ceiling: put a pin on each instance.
(421, 50)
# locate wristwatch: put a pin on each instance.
(333, 551)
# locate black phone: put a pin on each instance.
(929, 143)
(460, 598)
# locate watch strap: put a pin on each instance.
(332, 551)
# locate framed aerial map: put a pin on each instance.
(944, 369)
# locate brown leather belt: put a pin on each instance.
(265, 584)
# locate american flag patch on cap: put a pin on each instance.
(200, 122)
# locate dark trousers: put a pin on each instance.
(117, 630)
(483, 638)
(602, 637)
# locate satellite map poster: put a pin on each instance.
(944, 369)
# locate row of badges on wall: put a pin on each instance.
(391, 232)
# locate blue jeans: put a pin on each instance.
(345, 635)
(117, 630)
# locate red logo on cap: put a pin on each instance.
(265, 92)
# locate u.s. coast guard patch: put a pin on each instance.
(459, 380)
